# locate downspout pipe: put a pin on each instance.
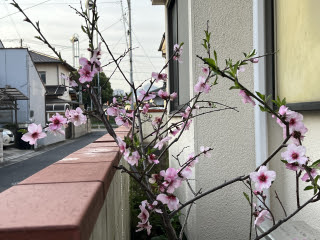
(259, 75)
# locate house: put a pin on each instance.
(53, 74)
(22, 88)
(243, 140)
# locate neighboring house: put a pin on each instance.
(52, 72)
(19, 74)
(243, 140)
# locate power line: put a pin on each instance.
(25, 9)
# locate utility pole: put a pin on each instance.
(130, 44)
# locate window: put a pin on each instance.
(177, 33)
(63, 79)
(297, 41)
(43, 77)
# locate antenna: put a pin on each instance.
(75, 56)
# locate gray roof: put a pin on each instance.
(42, 58)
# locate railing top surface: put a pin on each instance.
(63, 200)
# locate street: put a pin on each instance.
(12, 174)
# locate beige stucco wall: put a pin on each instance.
(285, 183)
(114, 218)
(231, 134)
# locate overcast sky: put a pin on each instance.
(59, 22)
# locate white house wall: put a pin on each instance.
(37, 94)
(231, 134)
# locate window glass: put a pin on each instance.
(43, 77)
(298, 45)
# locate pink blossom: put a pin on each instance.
(306, 177)
(96, 54)
(34, 133)
(202, 85)
(186, 113)
(169, 175)
(152, 158)
(153, 207)
(160, 144)
(122, 145)
(84, 62)
(170, 187)
(159, 76)
(187, 125)
(112, 111)
(114, 100)
(72, 83)
(241, 69)
(174, 131)
(163, 95)
(205, 70)
(57, 121)
(295, 154)
(177, 52)
(261, 217)
(145, 96)
(205, 150)
(246, 98)
(186, 172)
(292, 166)
(76, 116)
(144, 215)
(86, 75)
(171, 200)
(263, 178)
(191, 160)
(144, 226)
(297, 133)
(157, 121)
(132, 157)
(145, 108)
(155, 178)
(254, 60)
(173, 96)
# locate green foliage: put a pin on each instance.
(315, 164)
(247, 197)
(279, 102)
(106, 90)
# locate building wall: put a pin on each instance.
(37, 94)
(231, 134)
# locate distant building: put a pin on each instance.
(52, 72)
(19, 74)
(118, 92)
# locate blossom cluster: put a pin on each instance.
(57, 121)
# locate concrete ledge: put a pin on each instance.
(62, 201)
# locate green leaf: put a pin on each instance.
(308, 188)
(284, 161)
(261, 96)
(215, 55)
(262, 109)
(247, 197)
(315, 164)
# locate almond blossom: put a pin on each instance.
(159, 76)
(144, 215)
(132, 157)
(262, 217)
(76, 116)
(57, 121)
(171, 200)
(144, 226)
(263, 178)
(178, 52)
(306, 176)
(145, 108)
(295, 154)
(160, 144)
(205, 150)
(34, 133)
(86, 74)
(191, 160)
(143, 95)
(246, 98)
(205, 70)
(122, 145)
(152, 158)
(202, 85)
(254, 60)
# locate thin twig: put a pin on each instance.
(284, 210)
